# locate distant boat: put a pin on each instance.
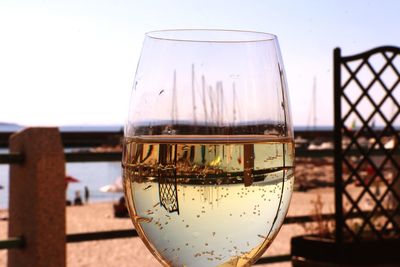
(390, 144)
(301, 142)
(115, 187)
(322, 146)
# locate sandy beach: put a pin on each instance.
(125, 252)
(132, 252)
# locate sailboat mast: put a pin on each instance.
(193, 97)
(314, 100)
(203, 87)
(174, 111)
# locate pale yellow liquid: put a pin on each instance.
(216, 201)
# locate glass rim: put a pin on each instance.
(219, 35)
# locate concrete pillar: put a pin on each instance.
(37, 199)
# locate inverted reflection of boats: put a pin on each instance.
(217, 177)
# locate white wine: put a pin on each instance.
(208, 200)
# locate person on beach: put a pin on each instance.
(120, 209)
(78, 199)
(87, 194)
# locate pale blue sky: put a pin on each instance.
(73, 62)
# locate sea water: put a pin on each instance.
(91, 174)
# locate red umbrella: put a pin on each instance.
(70, 179)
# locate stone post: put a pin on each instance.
(37, 199)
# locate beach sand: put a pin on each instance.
(132, 252)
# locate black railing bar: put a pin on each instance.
(308, 218)
(327, 216)
(352, 152)
(273, 259)
(102, 235)
(12, 242)
(17, 158)
(11, 158)
(90, 138)
(91, 236)
(18, 242)
(92, 156)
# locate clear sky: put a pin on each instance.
(73, 62)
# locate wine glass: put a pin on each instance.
(208, 146)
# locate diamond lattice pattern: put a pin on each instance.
(370, 145)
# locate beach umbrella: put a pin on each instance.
(115, 187)
(70, 179)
